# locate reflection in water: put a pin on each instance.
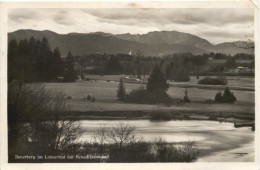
(212, 137)
(171, 131)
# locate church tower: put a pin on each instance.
(130, 52)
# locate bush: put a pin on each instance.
(121, 90)
(227, 97)
(213, 81)
(186, 98)
(121, 144)
(180, 75)
(185, 152)
(148, 97)
(209, 101)
(158, 116)
(137, 96)
(218, 97)
(88, 97)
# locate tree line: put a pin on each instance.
(172, 65)
(33, 61)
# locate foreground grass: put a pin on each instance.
(140, 151)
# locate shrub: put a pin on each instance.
(148, 97)
(93, 99)
(69, 97)
(121, 144)
(186, 98)
(158, 116)
(227, 97)
(213, 81)
(185, 152)
(137, 96)
(180, 75)
(121, 90)
(88, 97)
(209, 101)
(218, 97)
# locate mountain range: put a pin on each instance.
(155, 43)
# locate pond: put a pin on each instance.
(217, 141)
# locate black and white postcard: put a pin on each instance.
(158, 85)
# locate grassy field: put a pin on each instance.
(106, 100)
(238, 81)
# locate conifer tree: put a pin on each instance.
(121, 90)
(33, 61)
(157, 80)
(69, 73)
(228, 96)
(218, 97)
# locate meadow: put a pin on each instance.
(104, 89)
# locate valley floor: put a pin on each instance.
(104, 90)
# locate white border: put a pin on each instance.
(122, 4)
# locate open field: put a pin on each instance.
(106, 100)
(240, 81)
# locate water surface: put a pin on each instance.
(213, 138)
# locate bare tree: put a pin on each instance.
(100, 136)
(66, 133)
(121, 135)
(35, 116)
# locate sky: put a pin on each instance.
(215, 25)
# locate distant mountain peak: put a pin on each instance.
(155, 43)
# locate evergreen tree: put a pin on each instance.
(218, 97)
(23, 61)
(57, 66)
(12, 60)
(121, 90)
(186, 98)
(69, 72)
(178, 71)
(45, 57)
(157, 80)
(113, 66)
(228, 96)
(33, 61)
(168, 70)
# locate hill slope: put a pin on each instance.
(153, 43)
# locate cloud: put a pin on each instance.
(215, 25)
(181, 16)
(63, 17)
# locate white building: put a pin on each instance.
(130, 52)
